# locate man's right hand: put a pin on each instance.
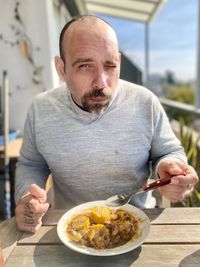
(31, 208)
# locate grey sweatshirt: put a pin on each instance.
(92, 157)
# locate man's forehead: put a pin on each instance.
(87, 25)
(82, 37)
(90, 20)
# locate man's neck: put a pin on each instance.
(78, 104)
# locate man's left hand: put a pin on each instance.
(183, 179)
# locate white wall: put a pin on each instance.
(42, 23)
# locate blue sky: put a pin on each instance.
(173, 39)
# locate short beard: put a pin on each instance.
(98, 107)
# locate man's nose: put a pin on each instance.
(100, 80)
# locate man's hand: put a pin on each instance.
(183, 179)
(31, 208)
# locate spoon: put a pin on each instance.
(122, 199)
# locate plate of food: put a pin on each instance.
(95, 229)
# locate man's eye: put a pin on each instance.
(84, 66)
(110, 66)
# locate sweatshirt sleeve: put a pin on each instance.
(31, 166)
(165, 144)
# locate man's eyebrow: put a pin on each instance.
(87, 60)
(81, 60)
(110, 62)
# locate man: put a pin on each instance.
(96, 134)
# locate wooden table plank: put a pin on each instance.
(13, 148)
(9, 234)
(45, 235)
(174, 241)
(172, 234)
(156, 216)
(145, 256)
(174, 215)
(52, 217)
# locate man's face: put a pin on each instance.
(92, 65)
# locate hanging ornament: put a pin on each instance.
(24, 47)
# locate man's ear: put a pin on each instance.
(59, 64)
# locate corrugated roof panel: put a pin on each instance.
(126, 4)
(127, 14)
(139, 10)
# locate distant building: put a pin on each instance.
(155, 83)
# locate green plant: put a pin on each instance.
(184, 94)
(193, 200)
(189, 139)
(190, 144)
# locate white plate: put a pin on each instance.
(130, 245)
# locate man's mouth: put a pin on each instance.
(100, 98)
(95, 101)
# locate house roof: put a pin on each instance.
(137, 10)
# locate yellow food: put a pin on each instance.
(80, 222)
(96, 229)
(102, 227)
(100, 214)
(74, 235)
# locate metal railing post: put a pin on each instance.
(7, 201)
(198, 60)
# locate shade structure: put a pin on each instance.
(137, 10)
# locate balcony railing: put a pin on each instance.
(180, 106)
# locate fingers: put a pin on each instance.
(25, 219)
(37, 207)
(31, 209)
(175, 192)
(34, 211)
(29, 217)
(28, 227)
(175, 168)
(189, 178)
(38, 193)
(169, 167)
(180, 173)
(182, 184)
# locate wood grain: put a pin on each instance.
(156, 216)
(145, 256)
(171, 234)
(9, 234)
(13, 148)
(174, 215)
(174, 241)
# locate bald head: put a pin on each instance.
(84, 25)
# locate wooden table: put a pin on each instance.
(13, 148)
(174, 241)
